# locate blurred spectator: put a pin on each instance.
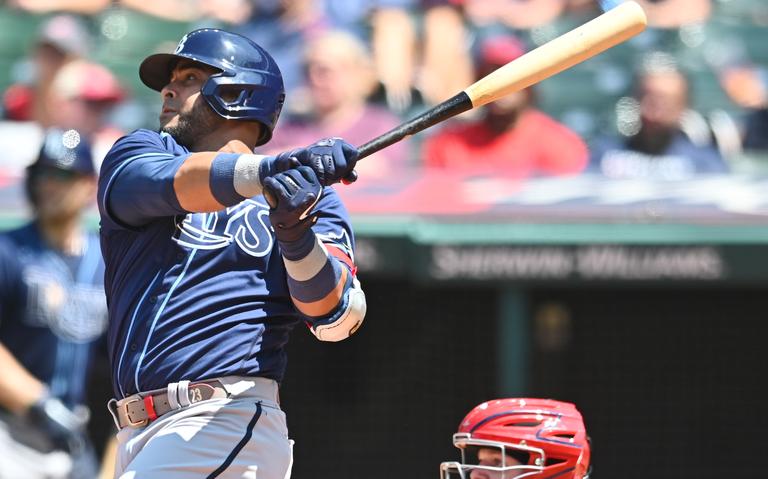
(61, 39)
(82, 96)
(673, 13)
(282, 27)
(230, 12)
(528, 14)
(579, 7)
(515, 14)
(394, 52)
(340, 77)
(446, 67)
(52, 314)
(658, 148)
(512, 137)
(87, 7)
(175, 10)
(747, 86)
(389, 27)
(756, 134)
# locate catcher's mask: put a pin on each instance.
(523, 439)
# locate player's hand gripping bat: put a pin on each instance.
(565, 51)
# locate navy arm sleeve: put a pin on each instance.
(136, 180)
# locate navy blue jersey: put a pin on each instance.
(192, 295)
(52, 309)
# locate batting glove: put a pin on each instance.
(332, 159)
(297, 191)
(61, 425)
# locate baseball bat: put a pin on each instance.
(565, 51)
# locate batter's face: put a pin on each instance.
(186, 116)
(487, 456)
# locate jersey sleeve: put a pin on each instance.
(334, 228)
(136, 181)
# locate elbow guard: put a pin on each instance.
(345, 324)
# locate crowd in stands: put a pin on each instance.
(687, 97)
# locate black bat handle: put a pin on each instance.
(453, 106)
(458, 103)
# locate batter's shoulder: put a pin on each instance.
(141, 135)
(143, 142)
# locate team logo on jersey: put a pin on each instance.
(245, 224)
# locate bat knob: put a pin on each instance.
(350, 178)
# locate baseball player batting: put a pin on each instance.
(204, 280)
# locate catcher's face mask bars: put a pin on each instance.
(470, 460)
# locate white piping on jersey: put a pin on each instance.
(162, 307)
(157, 316)
(128, 335)
(120, 168)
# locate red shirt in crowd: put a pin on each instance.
(536, 146)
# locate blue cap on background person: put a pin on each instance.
(66, 151)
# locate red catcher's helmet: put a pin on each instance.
(546, 438)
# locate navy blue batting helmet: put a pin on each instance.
(249, 86)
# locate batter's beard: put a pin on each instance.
(194, 125)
